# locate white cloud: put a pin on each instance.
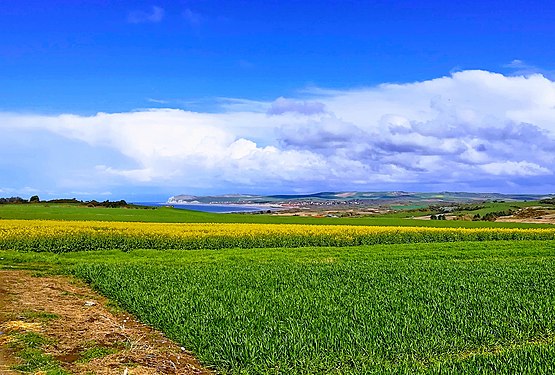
(512, 168)
(522, 68)
(282, 105)
(193, 18)
(154, 15)
(516, 64)
(157, 101)
(473, 128)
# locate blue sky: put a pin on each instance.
(143, 99)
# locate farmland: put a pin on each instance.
(293, 299)
(383, 308)
(63, 236)
(69, 212)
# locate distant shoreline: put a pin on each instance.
(217, 207)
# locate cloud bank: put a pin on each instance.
(473, 130)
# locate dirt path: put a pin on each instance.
(6, 357)
(76, 322)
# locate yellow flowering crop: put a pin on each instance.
(51, 235)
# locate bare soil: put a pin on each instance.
(320, 212)
(83, 319)
(6, 357)
(537, 215)
(533, 215)
(550, 219)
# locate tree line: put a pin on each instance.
(91, 203)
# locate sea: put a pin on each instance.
(214, 208)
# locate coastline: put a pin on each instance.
(217, 207)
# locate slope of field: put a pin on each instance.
(46, 322)
(463, 307)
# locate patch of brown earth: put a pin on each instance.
(534, 215)
(6, 356)
(82, 320)
(540, 220)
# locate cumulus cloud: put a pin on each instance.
(155, 14)
(521, 67)
(512, 168)
(472, 130)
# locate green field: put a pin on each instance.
(172, 215)
(483, 307)
(462, 307)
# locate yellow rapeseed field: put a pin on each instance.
(91, 235)
(54, 228)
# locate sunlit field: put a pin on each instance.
(259, 298)
(462, 307)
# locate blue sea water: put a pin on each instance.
(215, 208)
